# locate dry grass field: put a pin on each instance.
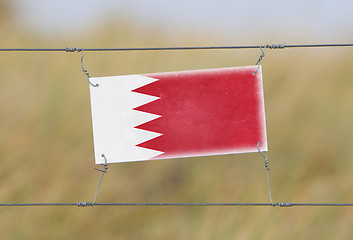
(46, 146)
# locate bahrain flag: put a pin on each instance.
(178, 114)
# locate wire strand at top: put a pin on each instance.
(273, 46)
(89, 204)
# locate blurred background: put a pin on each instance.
(46, 144)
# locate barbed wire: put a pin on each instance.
(272, 46)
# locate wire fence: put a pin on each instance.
(262, 47)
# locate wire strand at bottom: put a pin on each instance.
(88, 204)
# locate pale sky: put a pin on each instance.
(315, 20)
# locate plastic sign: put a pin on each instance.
(178, 114)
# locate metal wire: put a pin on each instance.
(88, 204)
(258, 62)
(273, 46)
(82, 67)
(263, 154)
(103, 172)
(35, 204)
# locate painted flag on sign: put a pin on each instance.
(178, 114)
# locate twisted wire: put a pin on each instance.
(263, 154)
(103, 172)
(82, 67)
(270, 46)
(88, 204)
